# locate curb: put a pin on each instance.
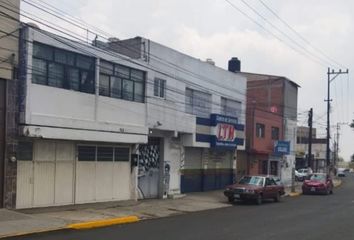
(294, 194)
(81, 225)
(103, 223)
(32, 232)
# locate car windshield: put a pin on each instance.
(252, 180)
(318, 177)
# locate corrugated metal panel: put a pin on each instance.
(64, 185)
(104, 181)
(24, 184)
(85, 182)
(121, 181)
(43, 184)
(64, 173)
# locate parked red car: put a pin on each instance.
(318, 183)
(255, 188)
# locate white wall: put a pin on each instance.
(83, 116)
(196, 74)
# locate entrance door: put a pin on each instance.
(149, 162)
(2, 139)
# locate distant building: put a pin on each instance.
(271, 118)
(318, 150)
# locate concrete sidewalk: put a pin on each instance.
(45, 219)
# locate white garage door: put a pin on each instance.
(103, 173)
(45, 174)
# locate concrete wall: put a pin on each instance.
(88, 117)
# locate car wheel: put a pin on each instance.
(277, 198)
(231, 199)
(259, 199)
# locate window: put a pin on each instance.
(275, 133)
(25, 151)
(104, 85)
(62, 69)
(122, 82)
(230, 107)
(86, 153)
(103, 153)
(198, 103)
(159, 88)
(260, 130)
(121, 154)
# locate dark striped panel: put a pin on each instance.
(203, 121)
(202, 138)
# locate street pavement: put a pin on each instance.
(304, 217)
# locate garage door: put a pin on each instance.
(102, 173)
(45, 174)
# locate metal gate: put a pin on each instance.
(2, 139)
(149, 173)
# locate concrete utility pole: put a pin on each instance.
(309, 155)
(328, 100)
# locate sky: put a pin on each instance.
(217, 29)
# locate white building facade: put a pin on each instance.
(82, 118)
(196, 116)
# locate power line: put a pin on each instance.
(271, 33)
(284, 34)
(299, 35)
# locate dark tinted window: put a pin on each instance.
(121, 154)
(25, 151)
(86, 153)
(104, 153)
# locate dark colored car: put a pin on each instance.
(318, 183)
(256, 188)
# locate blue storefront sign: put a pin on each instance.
(282, 147)
(225, 129)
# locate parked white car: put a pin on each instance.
(302, 173)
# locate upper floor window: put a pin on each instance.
(275, 133)
(160, 88)
(260, 130)
(122, 82)
(198, 103)
(63, 69)
(230, 107)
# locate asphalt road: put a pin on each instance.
(305, 217)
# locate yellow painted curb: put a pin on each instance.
(294, 194)
(104, 222)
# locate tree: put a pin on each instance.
(352, 158)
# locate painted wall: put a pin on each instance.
(266, 144)
(80, 116)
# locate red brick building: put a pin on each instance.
(271, 101)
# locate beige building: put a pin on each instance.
(9, 35)
(318, 149)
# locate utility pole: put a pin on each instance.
(328, 100)
(337, 143)
(309, 155)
